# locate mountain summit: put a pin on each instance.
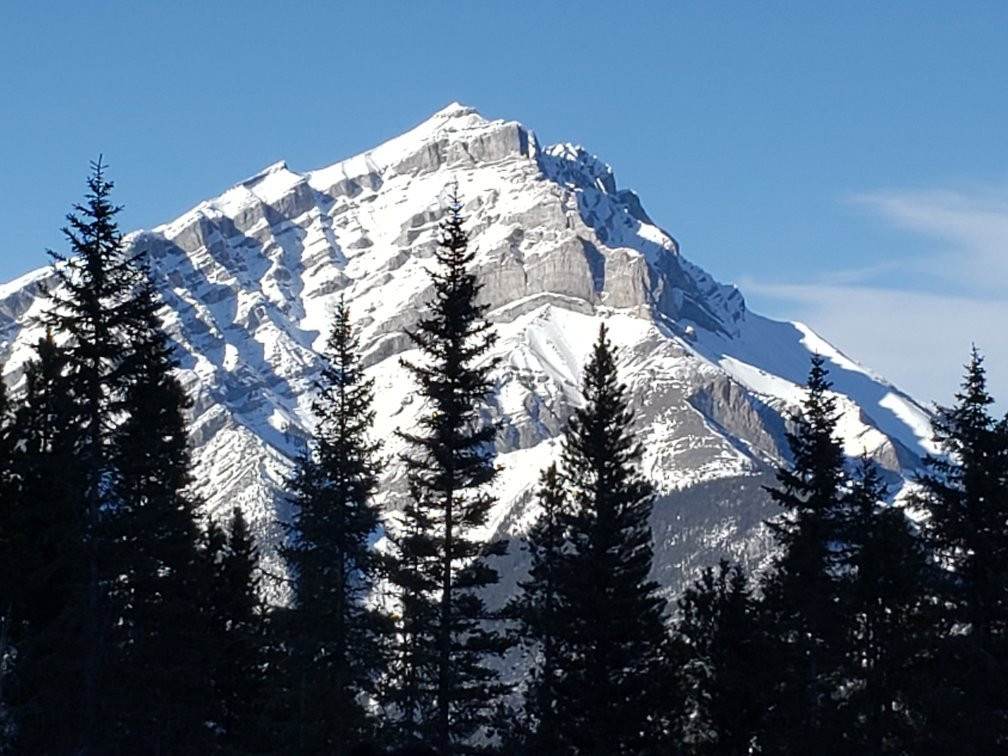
(249, 279)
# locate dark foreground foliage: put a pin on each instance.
(132, 622)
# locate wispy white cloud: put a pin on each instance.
(970, 228)
(917, 334)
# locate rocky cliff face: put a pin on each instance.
(249, 278)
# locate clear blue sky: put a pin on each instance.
(844, 163)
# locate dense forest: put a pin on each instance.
(133, 623)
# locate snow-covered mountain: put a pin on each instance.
(249, 279)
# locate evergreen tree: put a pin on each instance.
(445, 689)
(717, 624)
(410, 692)
(887, 622)
(610, 672)
(8, 539)
(336, 642)
(966, 493)
(540, 618)
(44, 559)
(237, 636)
(7, 487)
(111, 658)
(151, 555)
(801, 613)
(93, 306)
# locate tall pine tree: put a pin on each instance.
(45, 559)
(447, 689)
(610, 672)
(7, 488)
(237, 667)
(93, 307)
(540, 618)
(800, 608)
(717, 625)
(7, 650)
(159, 687)
(335, 640)
(113, 659)
(966, 493)
(887, 622)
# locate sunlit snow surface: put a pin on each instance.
(249, 280)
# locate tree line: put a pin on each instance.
(133, 623)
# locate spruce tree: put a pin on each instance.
(540, 618)
(410, 693)
(448, 690)
(965, 491)
(10, 547)
(115, 636)
(45, 559)
(610, 671)
(159, 686)
(801, 614)
(887, 621)
(93, 307)
(237, 659)
(717, 625)
(7, 485)
(8, 539)
(335, 640)
(8, 585)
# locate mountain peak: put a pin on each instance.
(249, 279)
(280, 166)
(454, 117)
(455, 110)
